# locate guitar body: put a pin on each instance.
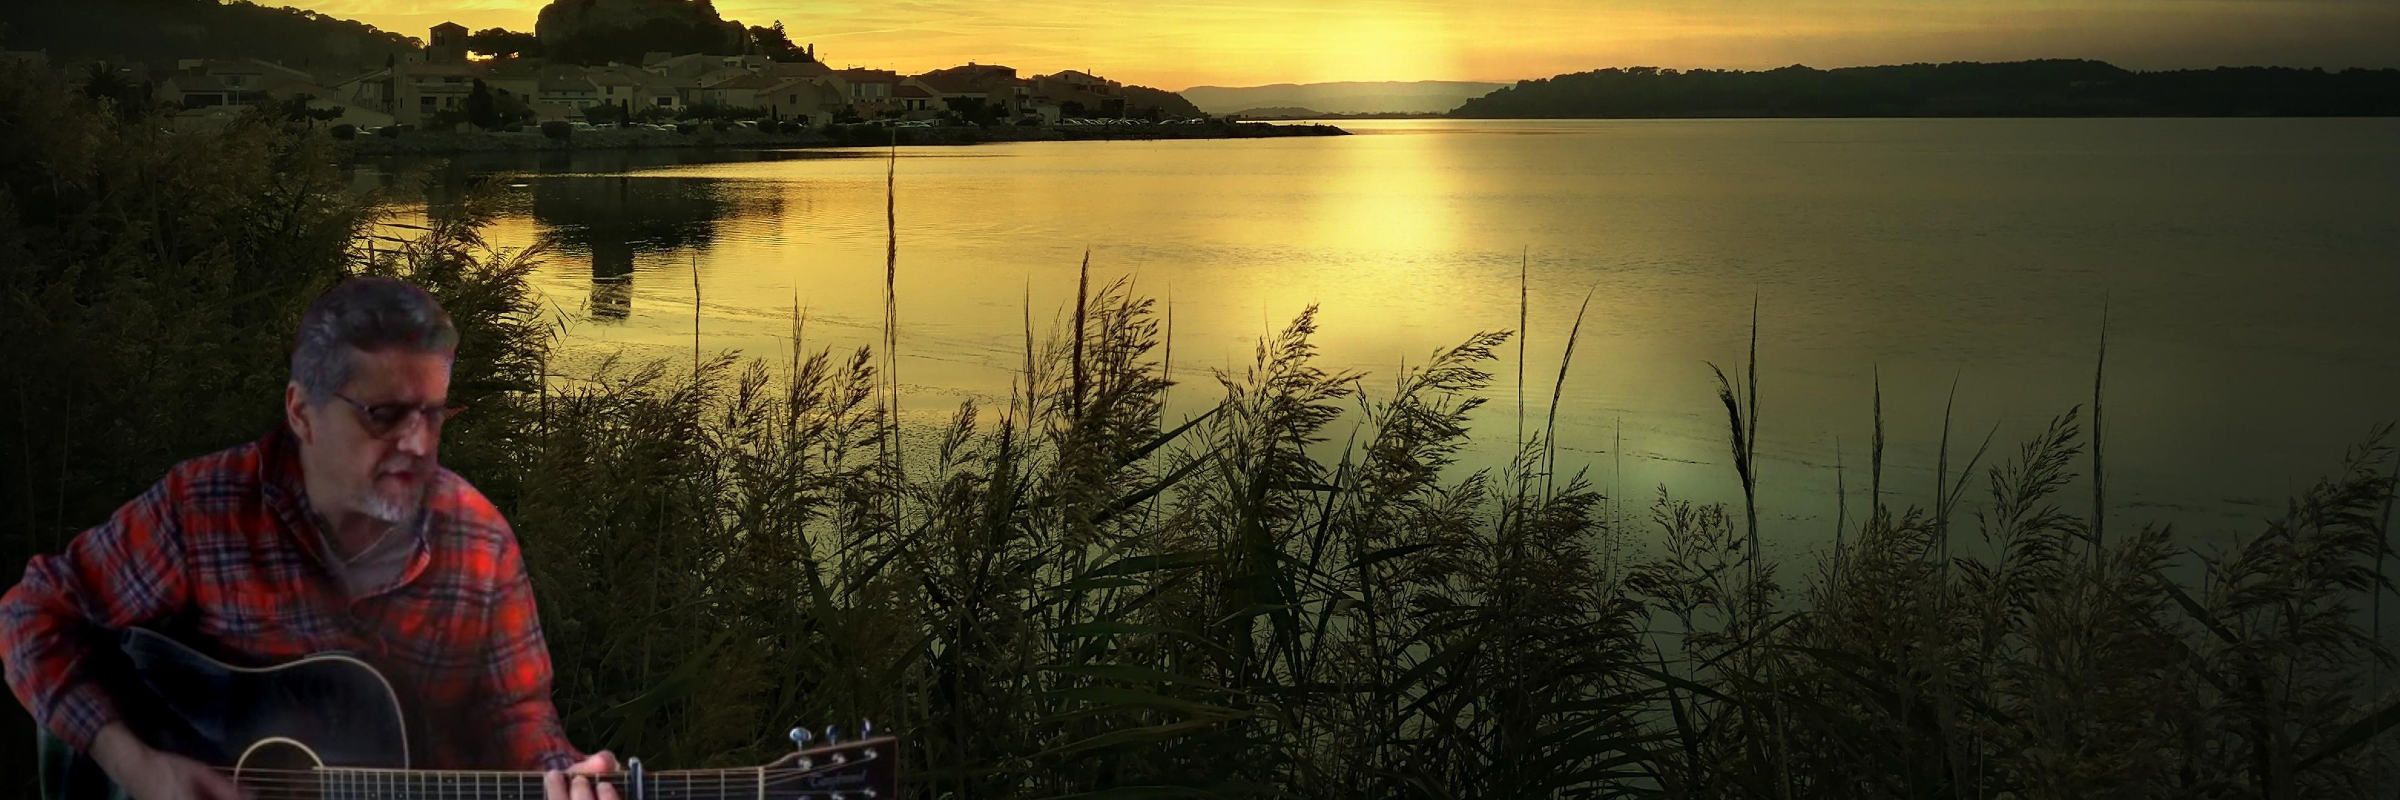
(320, 711)
(329, 727)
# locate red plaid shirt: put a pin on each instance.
(223, 555)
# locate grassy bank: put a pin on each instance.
(1071, 594)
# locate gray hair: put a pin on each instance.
(366, 315)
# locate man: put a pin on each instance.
(338, 531)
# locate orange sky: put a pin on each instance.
(1179, 43)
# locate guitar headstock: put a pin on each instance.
(832, 768)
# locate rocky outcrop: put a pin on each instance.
(600, 31)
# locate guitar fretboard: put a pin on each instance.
(839, 777)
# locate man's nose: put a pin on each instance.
(418, 436)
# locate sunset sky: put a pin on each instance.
(1175, 45)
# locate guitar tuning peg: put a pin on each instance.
(833, 735)
(800, 738)
(866, 729)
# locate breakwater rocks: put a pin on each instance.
(445, 142)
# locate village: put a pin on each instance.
(445, 88)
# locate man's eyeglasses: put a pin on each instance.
(387, 420)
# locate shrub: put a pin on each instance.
(558, 130)
(344, 132)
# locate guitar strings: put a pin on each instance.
(314, 782)
(815, 767)
(289, 788)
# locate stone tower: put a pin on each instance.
(447, 44)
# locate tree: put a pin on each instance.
(480, 108)
(503, 43)
(605, 114)
(773, 43)
(295, 109)
(102, 81)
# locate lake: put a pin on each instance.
(2250, 271)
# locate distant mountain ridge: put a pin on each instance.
(1279, 112)
(1351, 97)
(2045, 88)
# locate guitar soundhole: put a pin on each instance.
(278, 766)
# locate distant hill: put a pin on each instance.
(1279, 112)
(1341, 98)
(2067, 88)
(159, 32)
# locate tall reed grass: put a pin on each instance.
(1079, 596)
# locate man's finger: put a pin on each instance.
(215, 786)
(582, 789)
(608, 791)
(554, 785)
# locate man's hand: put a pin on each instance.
(573, 785)
(150, 774)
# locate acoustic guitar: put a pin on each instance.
(330, 727)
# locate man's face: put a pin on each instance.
(385, 477)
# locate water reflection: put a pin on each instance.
(2244, 263)
(615, 221)
(587, 209)
(612, 298)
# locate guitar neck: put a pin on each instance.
(861, 770)
(377, 784)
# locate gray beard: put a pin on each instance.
(397, 511)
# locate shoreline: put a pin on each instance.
(417, 143)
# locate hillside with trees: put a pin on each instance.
(158, 32)
(1140, 99)
(2051, 88)
(601, 31)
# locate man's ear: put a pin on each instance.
(295, 412)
